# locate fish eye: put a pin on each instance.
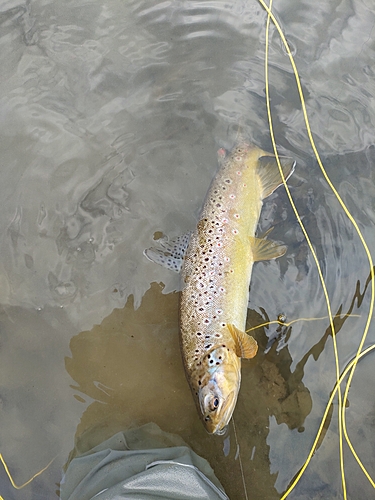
(214, 403)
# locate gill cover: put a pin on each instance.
(220, 378)
(218, 388)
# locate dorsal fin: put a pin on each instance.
(269, 174)
(172, 252)
(246, 346)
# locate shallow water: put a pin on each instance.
(110, 116)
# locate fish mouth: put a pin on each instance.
(221, 432)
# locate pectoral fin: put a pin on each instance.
(265, 249)
(269, 173)
(246, 346)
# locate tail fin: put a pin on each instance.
(269, 174)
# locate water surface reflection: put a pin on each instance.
(110, 118)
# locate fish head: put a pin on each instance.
(217, 388)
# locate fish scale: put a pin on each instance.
(216, 275)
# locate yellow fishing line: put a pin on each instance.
(268, 9)
(349, 367)
(369, 317)
(284, 323)
(27, 482)
(363, 468)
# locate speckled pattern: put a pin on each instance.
(218, 262)
(216, 276)
(171, 252)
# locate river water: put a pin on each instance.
(111, 114)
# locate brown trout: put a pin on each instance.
(216, 263)
(216, 275)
